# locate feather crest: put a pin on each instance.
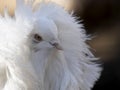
(79, 72)
(70, 69)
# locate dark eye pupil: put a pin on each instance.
(37, 37)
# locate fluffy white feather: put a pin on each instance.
(60, 61)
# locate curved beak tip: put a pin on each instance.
(57, 46)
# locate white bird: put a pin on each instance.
(45, 49)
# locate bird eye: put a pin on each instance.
(37, 37)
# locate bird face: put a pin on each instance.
(45, 35)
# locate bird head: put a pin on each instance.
(45, 34)
(44, 31)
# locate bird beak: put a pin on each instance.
(57, 46)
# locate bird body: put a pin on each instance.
(45, 49)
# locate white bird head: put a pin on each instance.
(44, 49)
(45, 34)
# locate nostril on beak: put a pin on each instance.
(57, 46)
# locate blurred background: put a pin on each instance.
(101, 19)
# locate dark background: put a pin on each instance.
(101, 19)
